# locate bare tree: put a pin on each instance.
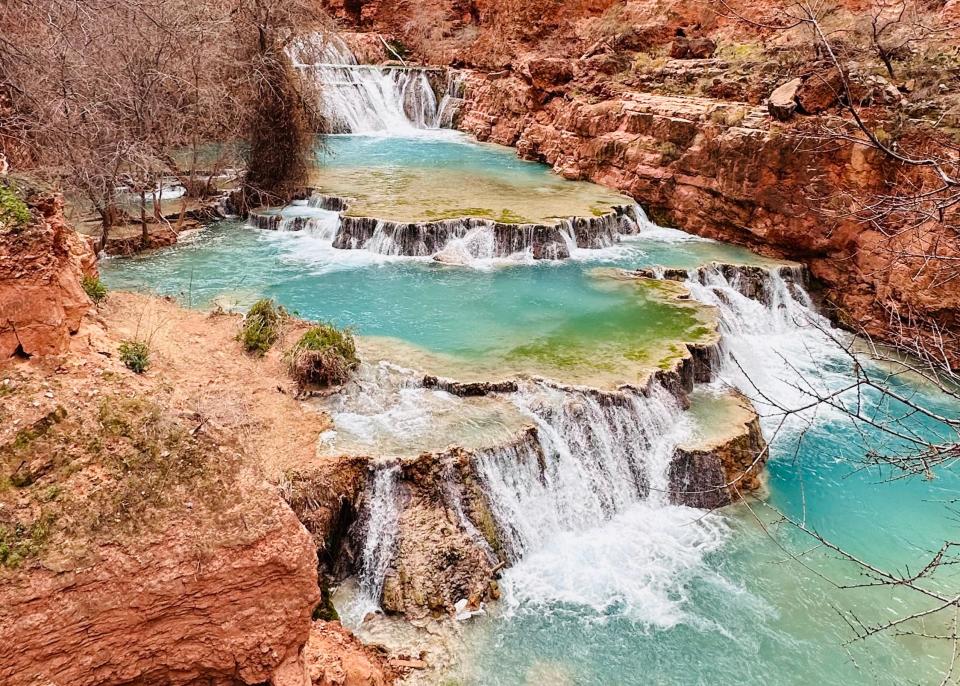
(915, 209)
(109, 97)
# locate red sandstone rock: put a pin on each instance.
(782, 102)
(182, 609)
(692, 48)
(548, 74)
(41, 300)
(820, 91)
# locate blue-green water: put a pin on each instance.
(445, 175)
(656, 595)
(544, 317)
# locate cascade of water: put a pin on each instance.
(771, 338)
(320, 224)
(451, 101)
(478, 243)
(382, 242)
(362, 98)
(596, 455)
(381, 514)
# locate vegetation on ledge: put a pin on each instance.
(261, 326)
(324, 356)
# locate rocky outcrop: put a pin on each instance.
(719, 469)
(41, 268)
(335, 657)
(685, 48)
(820, 91)
(441, 556)
(182, 608)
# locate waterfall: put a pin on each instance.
(319, 223)
(596, 455)
(380, 518)
(451, 101)
(365, 98)
(772, 339)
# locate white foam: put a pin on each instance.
(636, 565)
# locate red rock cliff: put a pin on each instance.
(180, 611)
(41, 266)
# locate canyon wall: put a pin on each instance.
(183, 610)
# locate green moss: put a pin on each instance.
(325, 610)
(135, 355)
(324, 356)
(19, 542)
(669, 152)
(14, 213)
(94, 288)
(740, 52)
(261, 326)
(504, 216)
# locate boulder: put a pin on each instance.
(820, 91)
(684, 48)
(782, 102)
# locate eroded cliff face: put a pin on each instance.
(182, 608)
(140, 538)
(41, 267)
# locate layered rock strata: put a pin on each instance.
(422, 239)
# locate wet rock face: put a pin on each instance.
(441, 554)
(41, 267)
(469, 389)
(712, 476)
(182, 611)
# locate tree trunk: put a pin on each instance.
(145, 235)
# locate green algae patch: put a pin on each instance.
(419, 180)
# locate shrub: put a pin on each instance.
(669, 152)
(14, 213)
(135, 355)
(94, 288)
(261, 326)
(324, 356)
